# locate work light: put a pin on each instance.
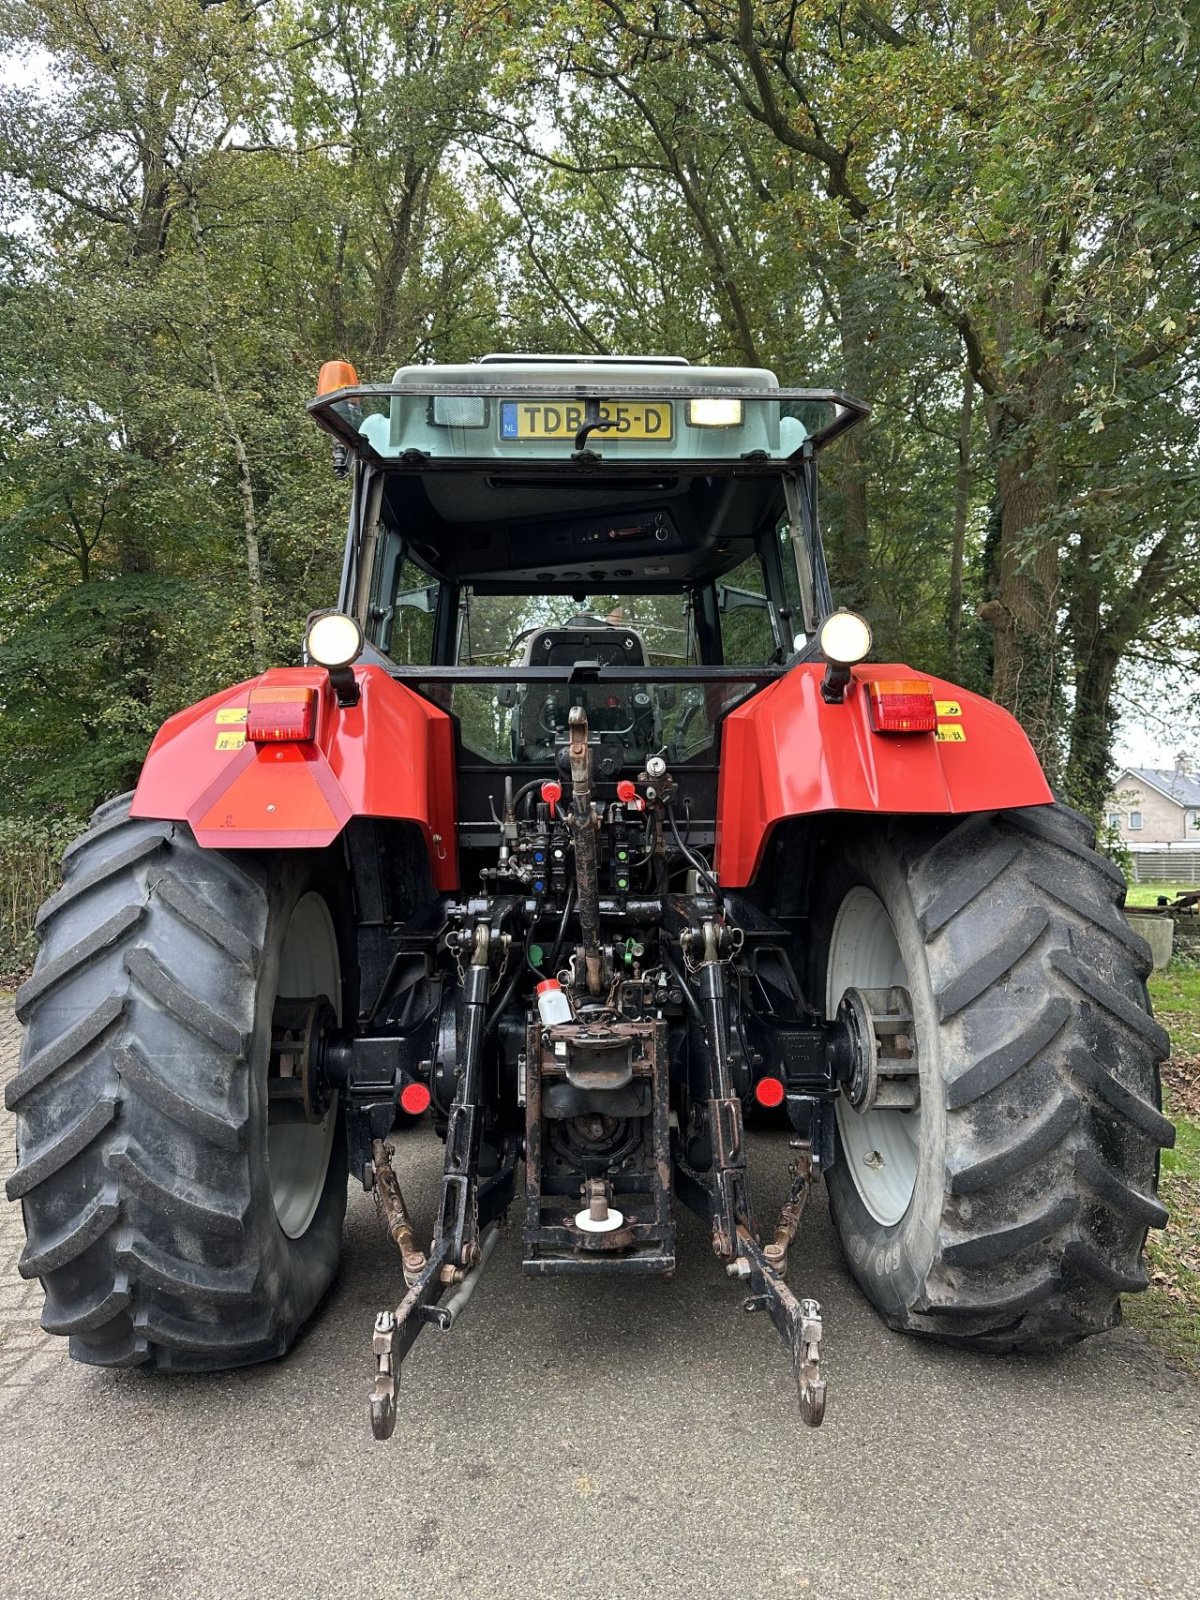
(333, 639)
(714, 411)
(458, 411)
(845, 638)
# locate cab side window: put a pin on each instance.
(403, 602)
(798, 636)
(746, 635)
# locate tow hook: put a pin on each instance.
(383, 1395)
(808, 1365)
(798, 1323)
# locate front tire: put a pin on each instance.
(1010, 1208)
(171, 1222)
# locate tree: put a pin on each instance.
(1022, 173)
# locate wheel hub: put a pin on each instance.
(879, 1114)
(884, 1069)
(298, 1085)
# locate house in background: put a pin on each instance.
(1150, 806)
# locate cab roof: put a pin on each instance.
(569, 474)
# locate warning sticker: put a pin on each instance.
(231, 741)
(950, 733)
(949, 708)
(229, 714)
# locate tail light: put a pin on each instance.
(769, 1092)
(281, 715)
(901, 705)
(415, 1098)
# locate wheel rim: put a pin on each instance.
(881, 1146)
(298, 1152)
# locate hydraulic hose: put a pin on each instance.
(556, 950)
(693, 1005)
(549, 967)
(694, 861)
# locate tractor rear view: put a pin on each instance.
(586, 827)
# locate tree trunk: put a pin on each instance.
(1103, 623)
(402, 244)
(962, 501)
(1023, 615)
(1088, 776)
(254, 585)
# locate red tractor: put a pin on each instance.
(587, 827)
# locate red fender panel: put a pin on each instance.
(786, 753)
(391, 755)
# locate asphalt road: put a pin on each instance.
(585, 1440)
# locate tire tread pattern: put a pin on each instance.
(144, 1215)
(1052, 1108)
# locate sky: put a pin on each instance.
(1159, 717)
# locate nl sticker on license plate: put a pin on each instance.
(541, 419)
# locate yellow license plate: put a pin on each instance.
(562, 419)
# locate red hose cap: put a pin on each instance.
(551, 794)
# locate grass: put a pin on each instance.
(1146, 894)
(1169, 1312)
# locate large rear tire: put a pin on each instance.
(171, 1221)
(1009, 1209)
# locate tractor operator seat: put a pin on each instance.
(621, 712)
(585, 638)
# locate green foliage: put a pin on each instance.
(199, 204)
(1170, 1312)
(30, 852)
(1110, 842)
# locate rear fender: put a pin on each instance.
(787, 753)
(391, 755)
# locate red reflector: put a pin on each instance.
(769, 1092)
(275, 716)
(901, 705)
(415, 1098)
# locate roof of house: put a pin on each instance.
(1180, 787)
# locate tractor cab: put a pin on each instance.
(534, 533)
